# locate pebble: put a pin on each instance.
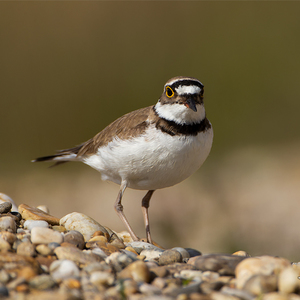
(29, 224)
(140, 246)
(44, 249)
(76, 238)
(8, 236)
(5, 207)
(100, 278)
(5, 198)
(42, 282)
(82, 223)
(138, 271)
(31, 213)
(262, 265)
(288, 281)
(40, 235)
(151, 254)
(44, 208)
(4, 245)
(119, 260)
(223, 264)
(63, 269)
(77, 255)
(90, 261)
(261, 284)
(8, 224)
(26, 248)
(184, 253)
(169, 257)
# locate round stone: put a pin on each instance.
(288, 281)
(76, 238)
(8, 224)
(44, 249)
(169, 257)
(63, 269)
(5, 207)
(5, 198)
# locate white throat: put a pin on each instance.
(179, 113)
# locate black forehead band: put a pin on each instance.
(186, 82)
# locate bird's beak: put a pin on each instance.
(190, 103)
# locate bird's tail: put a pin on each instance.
(61, 157)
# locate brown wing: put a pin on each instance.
(131, 124)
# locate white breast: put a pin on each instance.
(153, 160)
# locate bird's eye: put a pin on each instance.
(169, 92)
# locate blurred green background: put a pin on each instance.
(68, 69)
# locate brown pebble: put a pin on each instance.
(45, 261)
(95, 244)
(23, 288)
(31, 213)
(27, 273)
(72, 283)
(99, 238)
(241, 253)
(137, 270)
(26, 248)
(160, 271)
(8, 236)
(59, 228)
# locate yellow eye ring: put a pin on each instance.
(169, 92)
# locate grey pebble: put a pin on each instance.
(184, 253)
(5, 207)
(4, 291)
(169, 257)
(222, 263)
(76, 238)
(193, 252)
(42, 282)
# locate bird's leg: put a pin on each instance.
(119, 209)
(145, 206)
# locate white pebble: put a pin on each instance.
(40, 235)
(29, 224)
(102, 278)
(62, 269)
(288, 281)
(82, 223)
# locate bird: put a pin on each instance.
(150, 148)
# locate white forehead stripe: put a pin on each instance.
(188, 89)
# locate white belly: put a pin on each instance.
(152, 161)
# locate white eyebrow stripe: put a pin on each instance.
(188, 89)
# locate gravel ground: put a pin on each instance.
(44, 257)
